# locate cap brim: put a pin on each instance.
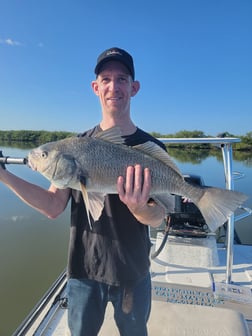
(112, 58)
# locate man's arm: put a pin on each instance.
(134, 191)
(51, 202)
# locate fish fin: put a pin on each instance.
(86, 201)
(112, 134)
(165, 200)
(217, 205)
(154, 150)
(96, 204)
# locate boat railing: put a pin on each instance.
(227, 155)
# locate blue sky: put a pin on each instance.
(193, 59)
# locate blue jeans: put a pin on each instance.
(87, 301)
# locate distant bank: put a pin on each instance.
(42, 136)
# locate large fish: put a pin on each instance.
(92, 165)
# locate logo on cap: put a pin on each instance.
(113, 52)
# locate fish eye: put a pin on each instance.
(44, 155)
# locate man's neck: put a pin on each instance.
(127, 128)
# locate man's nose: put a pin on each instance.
(114, 85)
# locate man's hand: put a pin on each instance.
(134, 191)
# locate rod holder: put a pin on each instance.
(11, 160)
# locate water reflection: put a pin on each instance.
(193, 156)
(17, 145)
(197, 156)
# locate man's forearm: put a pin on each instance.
(49, 202)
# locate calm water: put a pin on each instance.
(33, 249)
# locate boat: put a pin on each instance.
(201, 284)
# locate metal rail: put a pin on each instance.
(227, 154)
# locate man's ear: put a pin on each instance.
(135, 88)
(95, 88)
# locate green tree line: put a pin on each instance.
(33, 136)
(39, 137)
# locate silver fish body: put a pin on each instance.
(93, 164)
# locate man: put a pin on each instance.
(109, 262)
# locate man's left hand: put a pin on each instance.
(134, 189)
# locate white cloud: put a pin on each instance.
(10, 42)
(13, 43)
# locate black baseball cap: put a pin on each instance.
(116, 54)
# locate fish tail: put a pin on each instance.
(217, 205)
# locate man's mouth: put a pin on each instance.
(114, 98)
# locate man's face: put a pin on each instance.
(115, 87)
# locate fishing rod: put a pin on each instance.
(11, 160)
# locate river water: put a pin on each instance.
(33, 249)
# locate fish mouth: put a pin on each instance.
(31, 164)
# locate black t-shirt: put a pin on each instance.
(116, 250)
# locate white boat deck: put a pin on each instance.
(191, 284)
(170, 319)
